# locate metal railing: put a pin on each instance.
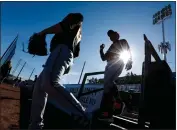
(80, 93)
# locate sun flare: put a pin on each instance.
(125, 56)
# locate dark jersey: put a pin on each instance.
(116, 48)
(71, 27)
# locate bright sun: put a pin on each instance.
(125, 56)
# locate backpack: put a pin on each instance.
(37, 45)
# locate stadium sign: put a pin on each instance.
(92, 101)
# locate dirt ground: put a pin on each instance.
(9, 107)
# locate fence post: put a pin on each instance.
(21, 69)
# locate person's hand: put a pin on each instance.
(128, 65)
(102, 46)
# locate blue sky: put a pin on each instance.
(130, 19)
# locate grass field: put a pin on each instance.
(9, 107)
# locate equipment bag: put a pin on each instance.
(37, 45)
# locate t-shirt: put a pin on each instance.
(116, 48)
(71, 35)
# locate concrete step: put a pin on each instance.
(117, 127)
(126, 123)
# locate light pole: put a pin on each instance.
(160, 17)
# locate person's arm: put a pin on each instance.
(126, 45)
(66, 24)
(106, 56)
(52, 30)
(129, 53)
(128, 48)
(102, 55)
(130, 62)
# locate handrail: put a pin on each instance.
(149, 50)
(84, 79)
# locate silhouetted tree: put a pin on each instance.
(129, 78)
